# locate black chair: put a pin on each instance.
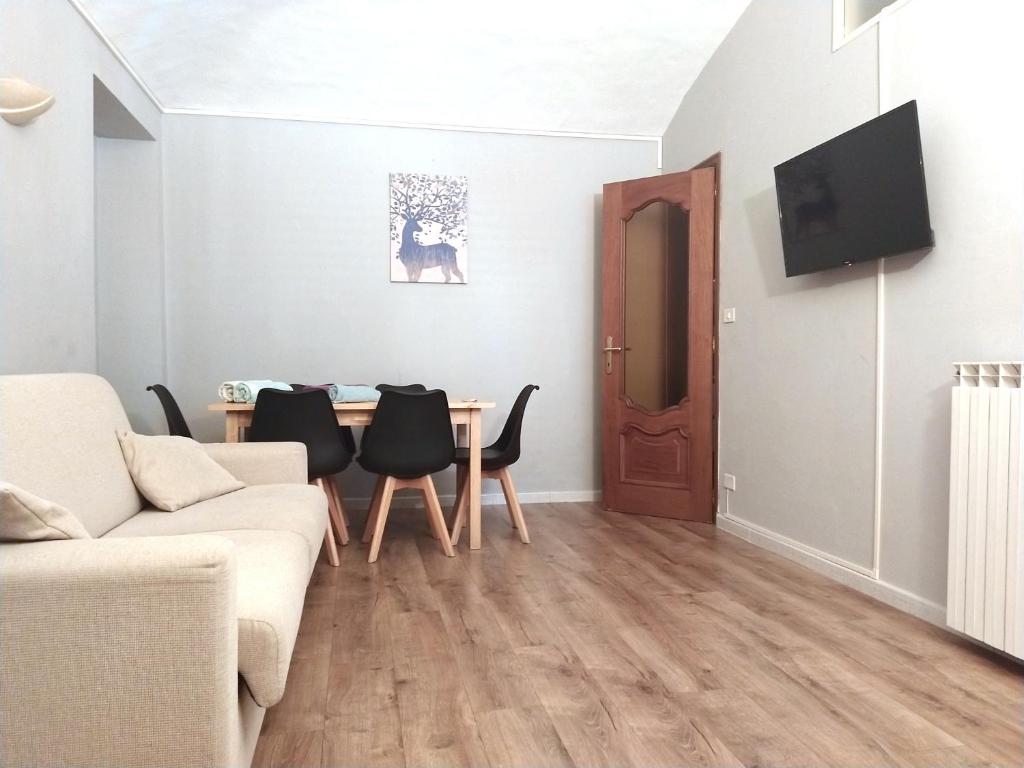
(400, 388)
(391, 388)
(343, 429)
(495, 460)
(308, 417)
(176, 424)
(410, 439)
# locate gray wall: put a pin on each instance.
(798, 367)
(129, 275)
(47, 275)
(277, 262)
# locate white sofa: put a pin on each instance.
(161, 641)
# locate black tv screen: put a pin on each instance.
(857, 197)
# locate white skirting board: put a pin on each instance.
(851, 575)
(487, 499)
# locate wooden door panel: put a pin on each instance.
(660, 459)
(657, 401)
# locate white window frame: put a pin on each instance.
(841, 37)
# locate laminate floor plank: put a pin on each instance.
(633, 642)
(522, 737)
(289, 750)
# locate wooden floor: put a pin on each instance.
(623, 641)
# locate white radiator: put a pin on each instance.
(985, 593)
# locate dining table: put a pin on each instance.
(466, 416)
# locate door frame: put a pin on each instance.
(715, 161)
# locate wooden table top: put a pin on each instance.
(454, 405)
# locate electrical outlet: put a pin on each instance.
(729, 315)
(729, 481)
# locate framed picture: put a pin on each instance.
(428, 228)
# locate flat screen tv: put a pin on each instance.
(857, 197)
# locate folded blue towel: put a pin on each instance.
(356, 393)
(226, 391)
(330, 389)
(246, 391)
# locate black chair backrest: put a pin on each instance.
(411, 435)
(301, 417)
(176, 424)
(508, 441)
(400, 388)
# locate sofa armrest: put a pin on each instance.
(262, 463)
(119, 652)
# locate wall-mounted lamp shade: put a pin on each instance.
(21, 101)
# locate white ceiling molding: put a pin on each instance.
(77, 5)
(563, 68)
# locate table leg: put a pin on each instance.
(231, 427)
(475, 437)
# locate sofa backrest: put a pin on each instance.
(58, 440)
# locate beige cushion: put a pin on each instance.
(301, 509)
(262, 463)
(58, 437)
(26, 517)
(272, 579)
(174, 472)
(118, 652)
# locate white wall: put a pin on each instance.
(965, 300)
(277, 261)
(798, 367)
(47, 275)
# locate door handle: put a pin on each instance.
(608, 349)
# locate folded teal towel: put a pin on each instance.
(356, 393)
(246, 391)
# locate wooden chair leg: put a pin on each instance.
(437, 516)
(514, 510)
(332, 548)
(371, 514)
(381, 517)
(460, 509)
(431, 520)
(327, 487)
(338, 501)
(460, 478)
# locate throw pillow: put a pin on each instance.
(26, 517)
(174, 472)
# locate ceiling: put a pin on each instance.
(545, 65)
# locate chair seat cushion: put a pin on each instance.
(301, 509)
(272, 579)
(490, 459)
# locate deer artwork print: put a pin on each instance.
(428, 228)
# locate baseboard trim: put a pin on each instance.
(411, 500)
(755, 534)
(849, 574)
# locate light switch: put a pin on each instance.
(729, 315)
(728, 481)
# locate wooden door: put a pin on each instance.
(657, 342)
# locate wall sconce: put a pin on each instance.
(21, 101)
